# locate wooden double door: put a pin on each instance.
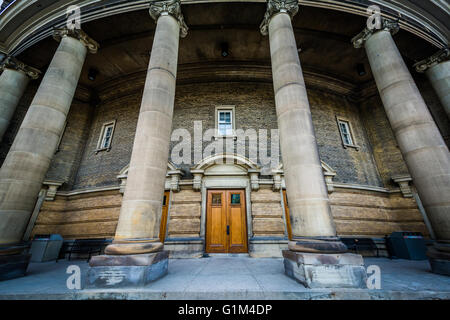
(226, 223)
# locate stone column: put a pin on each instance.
(313, 230)
(13, 82)
(437, 69)
(420, 141)
(137, 234)
(28, 160)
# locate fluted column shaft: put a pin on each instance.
(140, 215)
(420, 142)
(13, 82)
(28, 160)
(305, 185)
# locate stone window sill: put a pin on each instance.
(234, 137)
(103, 149)
(351, 146)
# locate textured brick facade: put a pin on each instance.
(254, 108)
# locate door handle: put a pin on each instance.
(228, 230)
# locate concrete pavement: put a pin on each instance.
(228, 277)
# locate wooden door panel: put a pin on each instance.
(288, 216)
(217, 232)
(164, 214)
(216, 240)
(237, 222)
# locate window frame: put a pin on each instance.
(227, 108)
(102, 136)
(348, 124)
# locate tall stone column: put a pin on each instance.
(136, 249)
(313, 230)
(420, 141)
(28, 160)
(13, 82)
(437, 69)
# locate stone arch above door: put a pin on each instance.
(173, 177)
(225, 164)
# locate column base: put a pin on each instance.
(439, 257)
(326, 270)
(108, 271)
(14, 262)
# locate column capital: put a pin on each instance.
(440, 56)
(386, 25)
(169, 7)
(277, 6)
(78, 34)
(14, 64)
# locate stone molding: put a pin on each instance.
(387, 25)
(78, 34)
(277, 6)
(440, 56)
(37, 27)
(14, 64)
(173, 177)
(170, 7)
(328, 172)
(52, 188)
(403, 181)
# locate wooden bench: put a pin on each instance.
(83, 246)
(355, 244)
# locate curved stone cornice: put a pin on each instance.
(441, 56)
(14, 64)
(38, 26)
(277, 6)
(387, 25)
(78, 34)
(170, 7)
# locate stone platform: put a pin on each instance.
(230, 277)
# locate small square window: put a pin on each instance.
(216, 199)
(236, 199)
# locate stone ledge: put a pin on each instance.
(324, 259)
(128, 260)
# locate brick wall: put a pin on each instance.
(254, 106)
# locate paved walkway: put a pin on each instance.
(231, 278)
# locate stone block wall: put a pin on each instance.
(90, 215)
(267, 213)
(184, 214)
(374, 214)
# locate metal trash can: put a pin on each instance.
(407, 245)
(45, 247)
